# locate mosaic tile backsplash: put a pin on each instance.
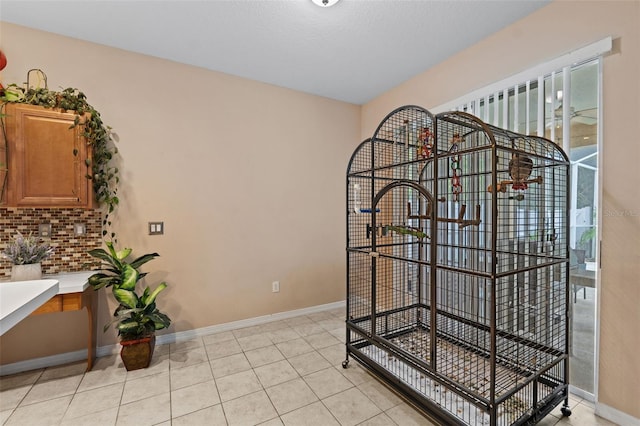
(70, 250)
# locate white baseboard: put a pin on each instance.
(582, 394)
(81, 355)
(616, 416)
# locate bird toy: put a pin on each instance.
(456, 186)
(424, 143)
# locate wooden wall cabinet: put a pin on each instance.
(46, 159)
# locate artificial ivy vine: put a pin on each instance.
(104, 175)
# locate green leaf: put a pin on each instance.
(124, 253)
(129, 277)
(126, 297)
(143, 259)
(152, 297)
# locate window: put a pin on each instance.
(560, 100)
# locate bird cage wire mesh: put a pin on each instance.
(457, 267)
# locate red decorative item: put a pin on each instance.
(424, 146)
(3, 63)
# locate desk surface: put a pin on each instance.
(19, 299)
(72, 282)
(582, 277)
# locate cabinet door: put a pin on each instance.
(46, 159)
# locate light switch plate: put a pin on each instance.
(156, 228)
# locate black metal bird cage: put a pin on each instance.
(457, 267)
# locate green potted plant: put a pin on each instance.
(583, 247)
(136, 318)
(26, 254)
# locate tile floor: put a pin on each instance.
(281, 373)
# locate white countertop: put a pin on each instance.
(18, 299)
(72, 282)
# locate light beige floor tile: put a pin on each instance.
(309, 363)
(320, 316)
(190, 375)
(210, 416)
(44, 413)
(66, 370)
(339, 334)
(100, 418)
(351, 407)
(95, 400)
(291, 395)
(283, 335)
(308, 329)
(145, 387)
(248, 331)
(254, 342)
(194, 398)
(277, 372)
(108, 362)
(273, 326)
(379, 394)
(406, 415)
(187, 358)
(332, 324)
(294, 347)
(186, 345)
(223, 336)
(315, 414)
(10, 398)
(355, 373)
(237, 385)
(379, 420)
(262, 356)
(162, 350)
(222, 349)
(20, 380)
(250, 409)
(149, 411)
(301, 320)
(272, 422)
(4, 415)
(229, 365)
(327, 382)
(102, 377)
(336, 354)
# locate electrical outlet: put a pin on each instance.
(79, 229)
(275, 286)
(44, 230)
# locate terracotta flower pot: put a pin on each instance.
(137, 354)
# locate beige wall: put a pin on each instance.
(247, 177)
(552, 31)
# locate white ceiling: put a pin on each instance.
(352, 52)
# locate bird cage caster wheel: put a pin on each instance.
(566, 411)
(345, 363)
